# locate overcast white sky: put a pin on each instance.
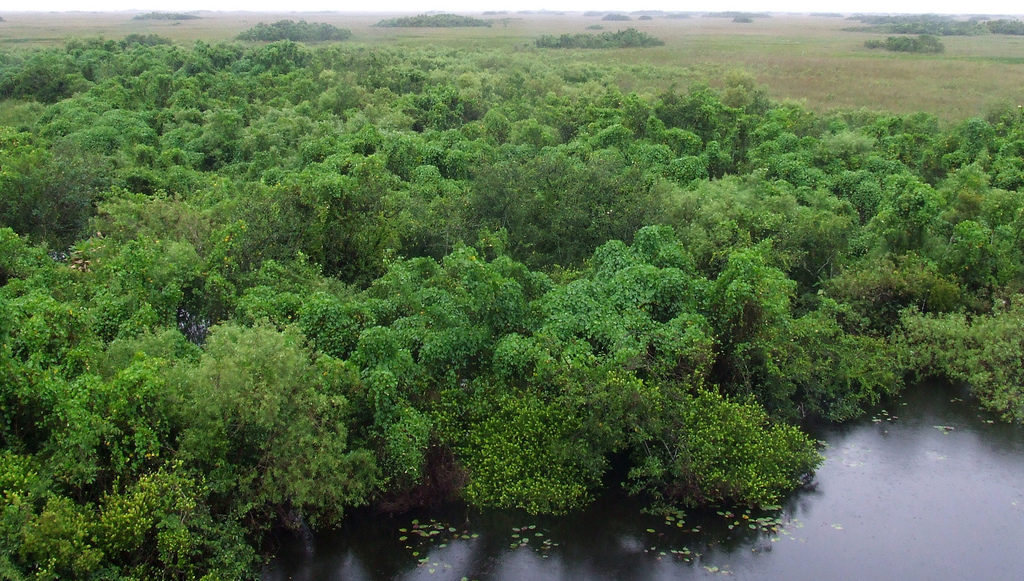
(908, 6)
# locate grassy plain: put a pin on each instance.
(806, 58)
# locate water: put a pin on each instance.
(928, 488)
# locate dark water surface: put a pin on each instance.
(928, 488)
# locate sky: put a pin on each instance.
(416, 6)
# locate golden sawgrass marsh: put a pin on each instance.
(805, 58)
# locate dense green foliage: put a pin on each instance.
(615, 16)
(246, 287)
(300, 31)
(433, 21)
(983, 351)
(629, 38)
(920, 43)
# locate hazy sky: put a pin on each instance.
(910, 6)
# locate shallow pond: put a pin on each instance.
(928, 488)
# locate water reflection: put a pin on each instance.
(927, 489)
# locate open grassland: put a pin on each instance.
(810, 59)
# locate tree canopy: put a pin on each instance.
(247, 286)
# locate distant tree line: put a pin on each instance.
(300, 31)
(920, 43)
(433, 21)
(165, 16)
(734, 15)
(936, 25)
(920, 24)
(1003, 26)
(629, 38)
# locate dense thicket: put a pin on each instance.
(254, 286)
(920, 43)
(1005, 26)
(629, 38)
(433, 21)
(300, 31)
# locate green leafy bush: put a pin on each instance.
(981, 351)
(267, 424)
(708, 449)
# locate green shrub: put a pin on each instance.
(629, 38)
(924, 43)
(300, 31)
(433, 21)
